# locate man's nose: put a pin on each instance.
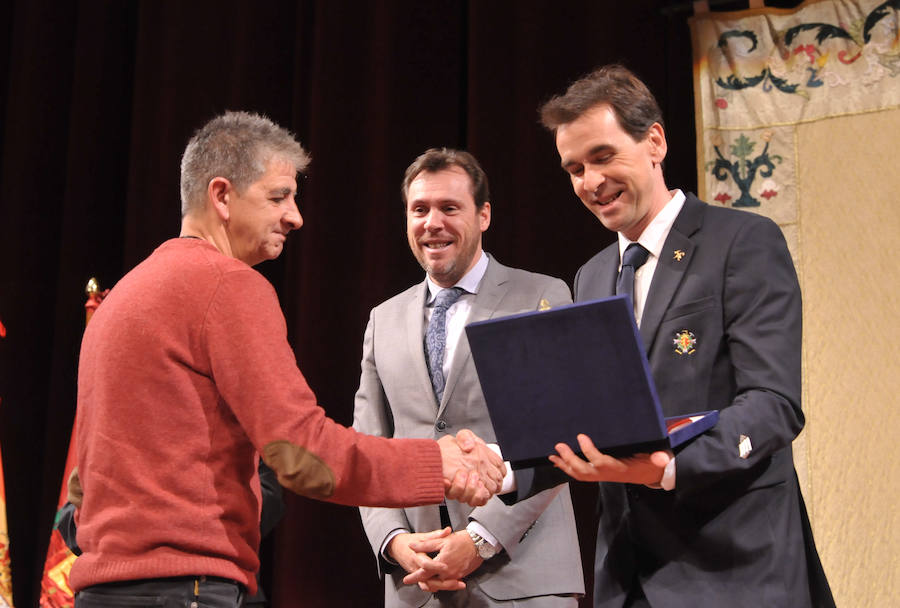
(594, 178)
(292, 215)
(434, 220)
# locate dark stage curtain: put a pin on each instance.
(99, 99)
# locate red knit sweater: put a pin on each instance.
(185, 374)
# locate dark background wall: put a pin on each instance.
(98, 99)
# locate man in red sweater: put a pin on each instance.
(186, 377)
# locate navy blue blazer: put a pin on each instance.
(722, 329)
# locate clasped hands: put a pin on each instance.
(472, 474)
(472, 471)
(455, 558)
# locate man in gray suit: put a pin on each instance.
(495, 554)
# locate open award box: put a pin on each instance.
(549, 375)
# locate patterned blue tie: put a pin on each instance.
(634, 257)
(436, 337)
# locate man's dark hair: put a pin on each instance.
(632, 102)
(438, 159)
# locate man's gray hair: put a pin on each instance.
(237, 146)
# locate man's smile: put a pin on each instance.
(608, 200)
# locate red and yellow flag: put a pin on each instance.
(6, 599)
(55, 590)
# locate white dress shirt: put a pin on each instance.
(652, 239)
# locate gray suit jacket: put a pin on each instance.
(733, 532)
(395, 399)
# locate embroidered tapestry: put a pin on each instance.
(797, 115)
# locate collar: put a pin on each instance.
(470, 281)
(654, 235)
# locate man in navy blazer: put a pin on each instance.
(719, 522)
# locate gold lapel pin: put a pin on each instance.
(544, 304)
(678, 255)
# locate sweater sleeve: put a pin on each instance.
(256, 375)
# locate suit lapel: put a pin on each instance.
(610, 271)
(674, 260)
(415, 340)
(597, 278)
(487, 300)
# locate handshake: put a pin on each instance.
(472, 471)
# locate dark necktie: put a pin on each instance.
(634, 257)
(436, 337)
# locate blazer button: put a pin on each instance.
(441, 425)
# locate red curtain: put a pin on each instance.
(99, 98)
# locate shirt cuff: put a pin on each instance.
(668, 479)
(384, 552)
(509, 480)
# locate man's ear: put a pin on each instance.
(217, 194)
(484, 216)
(656, 138)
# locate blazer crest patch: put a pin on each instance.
(685, 342)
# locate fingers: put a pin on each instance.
(435, 584)
(453, 461)
(429, 542)
(567, 459)
(564, 451)
(660, 459)
(441, 533)
(491, 468)
(427, 546)
(637, 468)
(487, 462)
(587, 448)
(576, 467)
(474, 476)
(468, 487)
(479, 498)
(456, 487)
(467, 452)
(430, 545)
(429, 568)
(495, 459)
(467, 440)
(561, 464)
(74, 492)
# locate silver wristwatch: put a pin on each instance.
(485, 549)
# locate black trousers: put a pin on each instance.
(179, 592)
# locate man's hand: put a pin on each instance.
(457, 552)
(472, 471)
(411, 560)
(74, 493)
(645, 469)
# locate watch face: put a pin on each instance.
(485, 550)
(482, 547)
